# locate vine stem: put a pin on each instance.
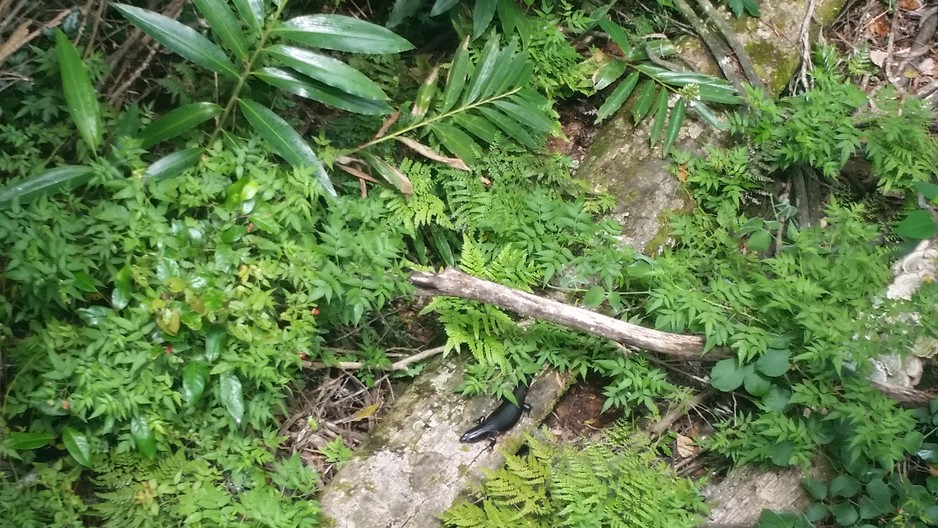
(249, 66)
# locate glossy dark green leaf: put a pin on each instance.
(617, 34)
(25, 441)
(84, 282)
(342, 33)
(231, 395)
(252, 12)
(80, 94)
(121, 294)
(457, 142)
(442, 6)
(618, 96)
(482, 74)
(456, 78)
(402, 10)
(391, 174)
(284, 140)
(327, 70)
(918, 224)
(482, 13)
(173, 164)
(643, 100)
(674, 125)
(180, 39)
(222, 20)
(608, 73)
(727, 375)
(143, 437)
(661, 115)
(775, 362)
(177, 122)
(77, 445)
(312, 89)
(425, 95)
(510, 127)
(216, 338)
(194, 379)
(265, 223)
(49, 182)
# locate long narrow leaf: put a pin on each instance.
(442, 6)
(222, 20)
(617, 34)
(313, 89)
(661, 114)
(707, 114)
(391, 174)
(177, 122)
(284, 140)
(425, 95)
(402, 10)
(79, 92)
(501, 71)
(519, 72)
(49, 182)
(457, 142)
(509, 126)
(327, 70)
(478, 127)
(643, 101)
(714, 94)
(607, 74)
(482, 14)
(252, 12)
(180, 38)
(483, 70)
(511, 17)
(456, 78)
(172, 165)
(617, 97)
(527, 116)
(342, 33)
(674, 125)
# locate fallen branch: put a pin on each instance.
(454, 283)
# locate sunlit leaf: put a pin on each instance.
(80, 94)
(442, 6)
(143, 436)
(313, 89)
(180, 38)
(173, 164)
(327, 70)
(510, 127)
(49, 182)
(607, 74)
(25, 441)
(482, 14)
(342, 33)
(252, 12)
(425, 95)
(222, 20)
(531, 118)
(232, 396)
(456, 78)
(704, 111)
(121, 294)
(483, 70)
(457, 142)
(284, 140)
(177, 122)
(77, 445)
(481, 128)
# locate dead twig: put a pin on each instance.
(749, 69)
(403, 364)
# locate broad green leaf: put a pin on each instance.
(177, 122)
(84, 282)
(342, 33)
(760, 240)
(173, 164)
(519, 72)
(483, 70)
(222, 20)
(80, 94)
(756, 384)
(457, 142)
(776, 399)
(928, 190)
(780, 453)
(608, 74)
(816, 512)
(918, 224)
(392, 174)
(531, 118)
(674, 125)
(509, 126)
(120, 295)
(661, 114)
(52, 181)
(617, 34)
(284, 140)
(231, 395)
(502, 73)
(844, 486)
(143, 436)
(727, 375)
(425, 95)
(511, 17)
(194, 378)
(456, 78)
(816, 489)
(644, 100)
(718, 95)
(478, 127)
(617, 97)
(402, 10)
(594, 296)
(216, 338)
(880, 493)
(327, 70)
(77, 445)
(775, 362)
(180, 39)
(442, 6)
(313, 89)
(252, 12)
(25, 441)
(844, 513)
(482, 14)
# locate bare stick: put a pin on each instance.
(399, 365)
(744, 61)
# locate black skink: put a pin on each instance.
(502, 419)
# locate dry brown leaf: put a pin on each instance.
(880, 26)
(686, 448)
(910, 5)
(357, 173)
(428, 152)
